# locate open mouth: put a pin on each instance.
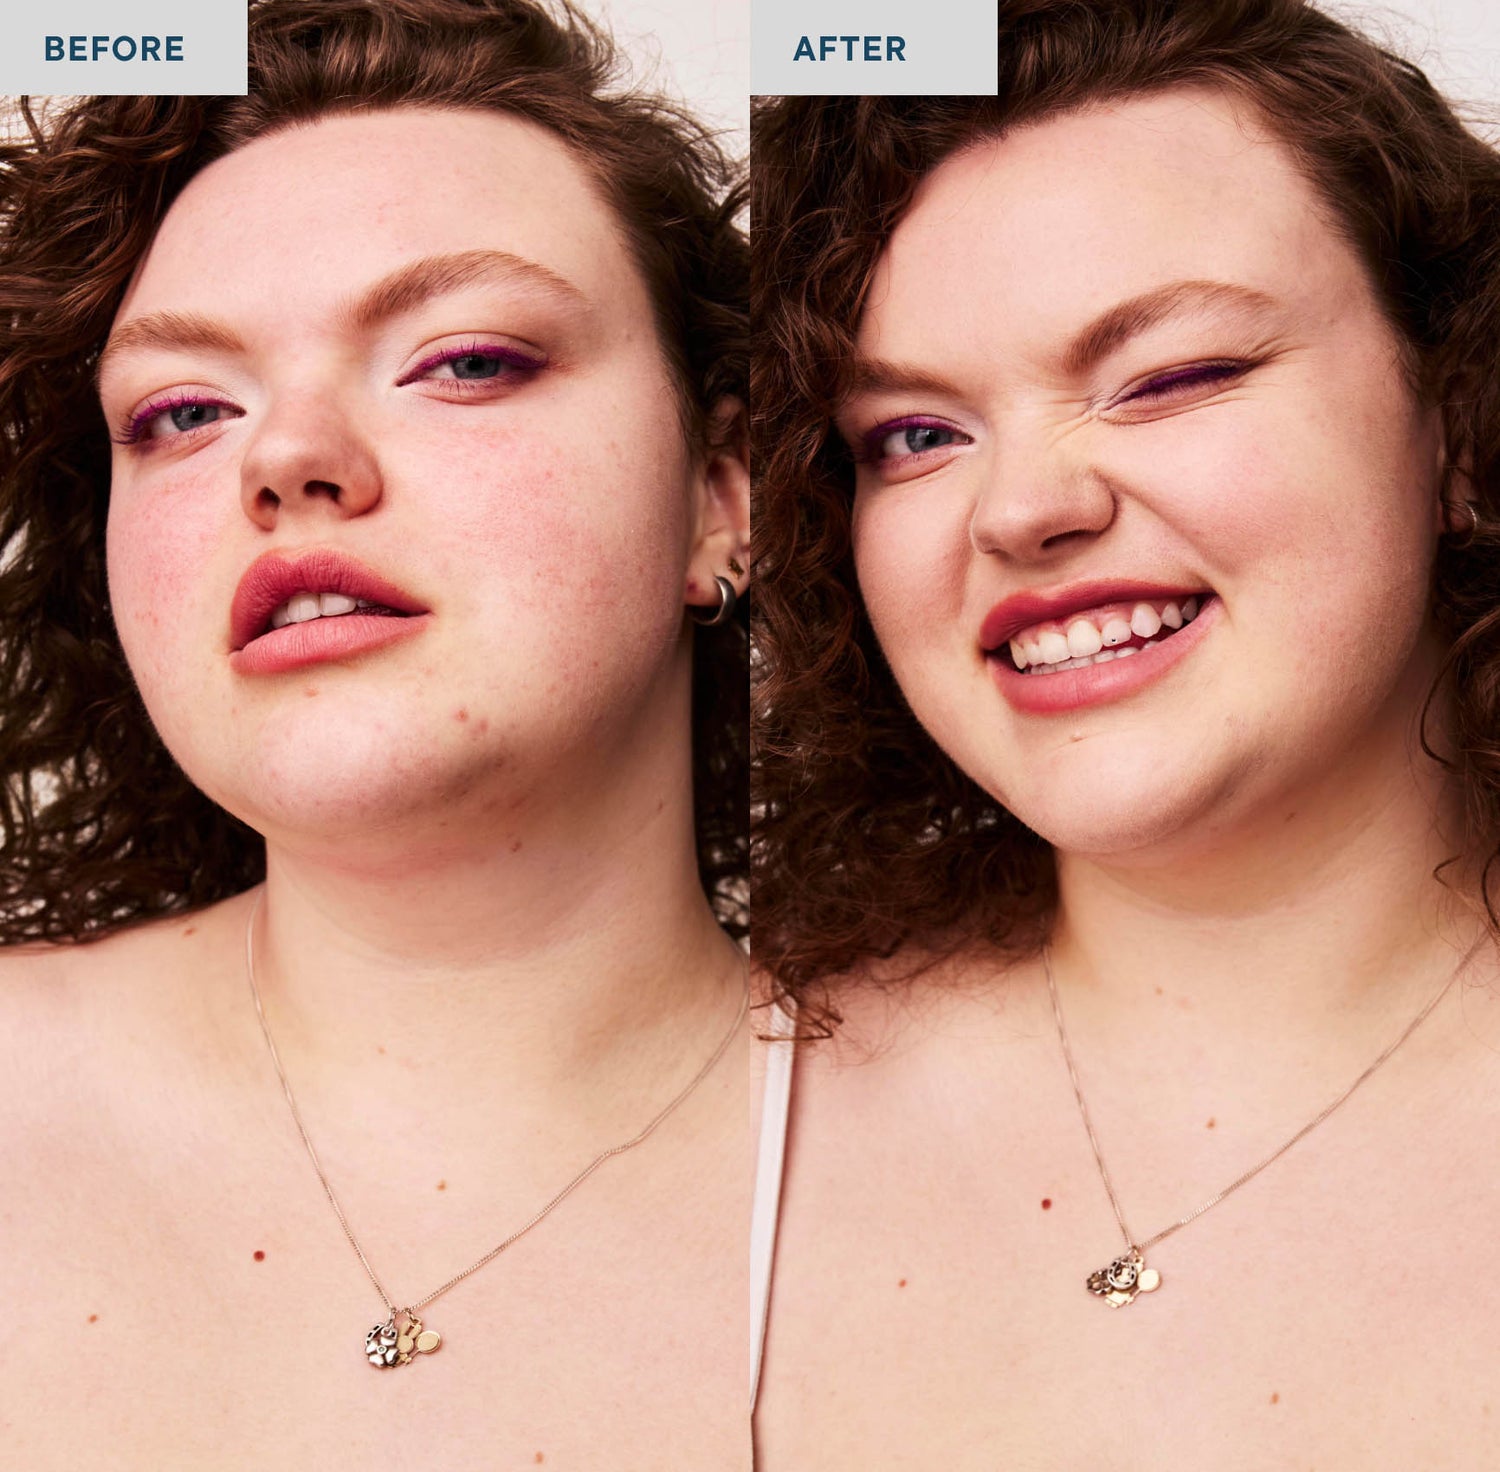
(1099, 635)
(281, 593)
(302, 608)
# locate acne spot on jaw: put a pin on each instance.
(1158, 991)
(1275, 1396)
(442, 1185)
(94, 1319)
(460, 715)
(902, 1283)
(259, 1255)
(1210, 1125)
(1046, 1203)
(515, 848)
(540, 1457)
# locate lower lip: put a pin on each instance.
(323, 641)
(1095, 684)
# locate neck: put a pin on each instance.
(1321, 903)
(565, 947)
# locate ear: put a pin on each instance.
(721, 536)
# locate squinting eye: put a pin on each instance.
(1184, 380)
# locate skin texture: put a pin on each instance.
(482, 947)
(1245, 848)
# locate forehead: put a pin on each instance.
(304, 215)
(1029, 234)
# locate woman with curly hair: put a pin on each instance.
(1129, 457)
(373, 809)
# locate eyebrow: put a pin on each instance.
(1119, 323)
(1091, 344)
(403, 290)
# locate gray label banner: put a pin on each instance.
(889, 48)
(114, 48)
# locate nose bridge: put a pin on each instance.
(1043, 482)
(310, 446)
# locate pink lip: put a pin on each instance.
(1021, 610)
(1095, 684)
(273, 578)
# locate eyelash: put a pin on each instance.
(135, 429)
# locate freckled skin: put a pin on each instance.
(549, 530)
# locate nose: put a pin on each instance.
(1044, 492)
(308, 457)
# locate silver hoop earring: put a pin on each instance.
(724, 612)
(1463, 538)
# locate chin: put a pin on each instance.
(1123, 811)
(343, 783)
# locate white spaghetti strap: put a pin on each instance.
(766, 1208)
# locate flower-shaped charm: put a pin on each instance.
(390, 1344)
(1126, 1276)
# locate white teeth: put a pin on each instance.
(1086, 641)
(1052, 647)
(1083, 638)
(302, 607)
(1103, 657)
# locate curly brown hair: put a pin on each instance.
(868, 838)
(98, 826)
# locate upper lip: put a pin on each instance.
(275, 576)
(1021, 610)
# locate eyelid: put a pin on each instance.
(1181, 378)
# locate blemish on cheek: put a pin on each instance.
(191, 930)
(93, 1318)
(515, 848)
(1275, 1396)
(1046, 1203)
(1211, 1124)
(380, 1047)
(259, 1255)
(311, 691)
(540, 1457)
(482, 726)
(460, 715)
(1158, 991)
(901, 1283)
(442, 1185)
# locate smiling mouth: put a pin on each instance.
(1113, 631)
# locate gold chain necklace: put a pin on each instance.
(1127, 1275)
(402, 1334)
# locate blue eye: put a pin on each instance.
(902, 439)
(172, 418)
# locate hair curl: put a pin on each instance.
(868, 838)
(98, 825)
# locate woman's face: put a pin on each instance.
(1127, 347)
(401, 361)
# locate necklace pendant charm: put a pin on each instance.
(395, 1341)
(1126, 1276)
